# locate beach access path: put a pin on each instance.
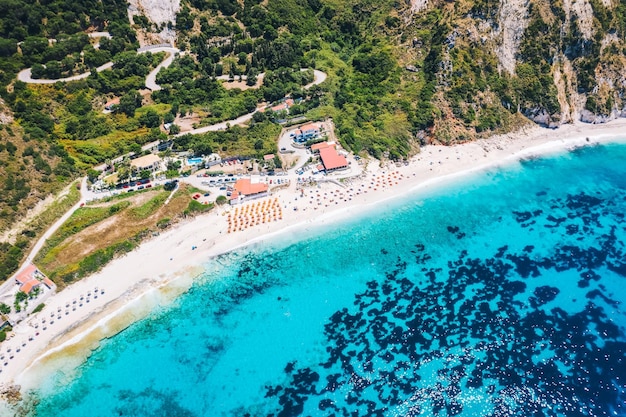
(9, 285)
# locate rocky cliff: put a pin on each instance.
(161, 14)
(555, 62)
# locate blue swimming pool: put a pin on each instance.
(194, 161)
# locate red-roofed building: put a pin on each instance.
(268, 157)
(244, 189)
(30, 285)
(284, 106)
(27, 274)
(31, 278)
(322, 145)
(109, 104)
(332, 160)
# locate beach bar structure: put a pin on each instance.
(332, 160)
(245, 190)
(31, 278)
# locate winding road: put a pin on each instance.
(27, 76)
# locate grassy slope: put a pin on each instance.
(96, 234)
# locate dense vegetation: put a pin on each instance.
(256, 141)
(34, 160)
(26, 26)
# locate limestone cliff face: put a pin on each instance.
(511, 24)
(162, 13)
(557, 62)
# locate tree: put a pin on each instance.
(123, 170)
(19, 297)
(8, 47)
(251, 77)
(37, 71)
(259, 117)
(34, 45)
(277, 162)
(150, 119)
(4, 309)
(92, 175)
(53, 69)
(129, 102)
(168, 117)
(144, 174)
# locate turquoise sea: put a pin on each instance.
(502, 294)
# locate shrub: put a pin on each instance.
(163, 223)
(197, 207)
(38, 308)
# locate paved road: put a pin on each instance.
(151, 78)
(27, 76)
(9, 283)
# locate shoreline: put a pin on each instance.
(161, 269)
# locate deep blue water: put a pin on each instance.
(499, 295)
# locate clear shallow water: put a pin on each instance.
(501, 295)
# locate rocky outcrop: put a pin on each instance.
(512, 22)
(588, 117)
(11, 393)
(160, 12)
(583, 17)
(6, 116)
(542, 117)
(418, 5)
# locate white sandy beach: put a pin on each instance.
(164, 267)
